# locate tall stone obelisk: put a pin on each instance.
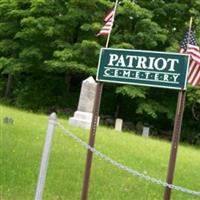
(83, 116)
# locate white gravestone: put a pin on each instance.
(145, 132)
(118, 124)
(83, 116)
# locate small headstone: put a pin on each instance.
(83, 116)
(118, 124)
(145, 132)
(8, 120)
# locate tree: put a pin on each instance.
(47, 42)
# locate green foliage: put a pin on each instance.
(7, 65)
(193, 111)
(193, 94)
(59, 37)
(149, 35)
(41, 92)
(151, 108)
(132, 91)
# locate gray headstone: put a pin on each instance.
(145, 131)
(87, 95)
(83, 116)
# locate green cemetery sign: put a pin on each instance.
(147, 68)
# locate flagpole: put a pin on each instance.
(97, 102)
(113, 17)
(190, 28)
(176, 134)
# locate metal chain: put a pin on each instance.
(125, 168)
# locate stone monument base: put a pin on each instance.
(81, 119)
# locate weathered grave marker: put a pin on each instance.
(118, 124)
(83, 116)
(145, 131)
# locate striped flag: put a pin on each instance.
(190, 46)
(105, 30)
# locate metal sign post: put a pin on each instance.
(176, 133)
(99, 88)
(175, 141)
(88, 164)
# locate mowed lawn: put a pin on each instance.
(20, 154)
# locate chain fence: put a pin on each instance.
(125, 168)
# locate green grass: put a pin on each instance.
(21, 148)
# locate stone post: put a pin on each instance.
(45, 157)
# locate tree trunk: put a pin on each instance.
(67, 81)
(8, 85)
(117, 111)
(118, 106)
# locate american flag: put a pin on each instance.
(105, 30)
(190, 46)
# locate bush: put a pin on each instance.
(40, 92)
